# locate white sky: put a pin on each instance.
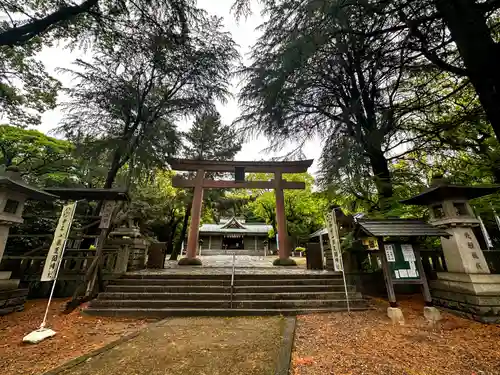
(245, 36)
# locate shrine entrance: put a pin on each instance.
(239, 169)
(233, 241)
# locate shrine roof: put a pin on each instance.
(21, 187)
(90, 194)
(444, 192)
(236, 227)
(398, 228)
(250, 166)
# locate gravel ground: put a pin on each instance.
(368, 343)
(76, 335)
(193, 346)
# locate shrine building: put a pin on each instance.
(234, 234)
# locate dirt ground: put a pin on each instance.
(76, 335)
(189, 346)
(368, 343)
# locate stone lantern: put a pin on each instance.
(468, 285)
(13, 194)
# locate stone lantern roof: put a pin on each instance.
(440, 190)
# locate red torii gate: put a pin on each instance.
(239, 168)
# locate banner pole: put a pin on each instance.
(53, 286)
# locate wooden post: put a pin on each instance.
(209, 242)
(387, 273)
(425, 287)
(256, 243)
(192, 245)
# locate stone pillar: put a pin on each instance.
(283, 248)
(192, 245)
(4, 234)
(321, 246)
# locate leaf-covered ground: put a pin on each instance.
(368, 343)
(76, 335)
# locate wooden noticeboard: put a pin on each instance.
(402, 261)
(401, 264)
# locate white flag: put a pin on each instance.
(56, 251)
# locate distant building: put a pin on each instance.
(233, 234)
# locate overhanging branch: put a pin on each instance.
(21, 34)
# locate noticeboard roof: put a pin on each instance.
(398, 228)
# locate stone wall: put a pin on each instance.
(12, 300)
(137, 254)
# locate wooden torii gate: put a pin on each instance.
(239, 168)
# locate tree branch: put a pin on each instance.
(22, 34)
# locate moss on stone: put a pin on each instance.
(284, 262)
(189, 262)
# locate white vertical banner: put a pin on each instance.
(334, 237)
(56, 251)
(107, 214)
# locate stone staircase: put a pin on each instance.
(253, 294)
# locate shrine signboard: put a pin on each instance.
(402, 261)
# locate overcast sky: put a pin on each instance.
(244, 33)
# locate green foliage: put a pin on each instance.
(304, 209)
(141, 81)
(209, 139)
(41, 159)
(26, 89)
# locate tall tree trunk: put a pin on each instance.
(171, 236)
(113, 170)
(185, 223)
(480, 54)
(383, 181)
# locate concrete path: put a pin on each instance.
(189, 346)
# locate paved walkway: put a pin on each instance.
(222, 264)
(193, 346)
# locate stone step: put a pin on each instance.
(238, 276)
(225, 289)
(255, 253)
(171, 282)
(5, 275)
(260, 304)
(237, 282)
(170, 276)
(166, 312)
(9, 284)
(227, 296)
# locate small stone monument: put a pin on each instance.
(13, 194)
(468, 286)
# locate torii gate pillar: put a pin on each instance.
(239, 168)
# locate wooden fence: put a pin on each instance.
(119, 256)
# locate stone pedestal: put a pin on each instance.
(462, 252)
(12, 300)
(476, 296)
